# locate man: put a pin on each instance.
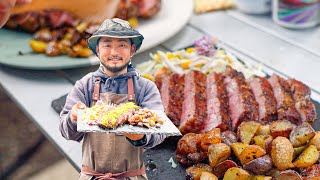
(108, 155)
(5, 9)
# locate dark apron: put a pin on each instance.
(110, 156)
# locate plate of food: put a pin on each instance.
(240, 120)
(62, 45)
(126, 118)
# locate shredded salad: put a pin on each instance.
(204, 56)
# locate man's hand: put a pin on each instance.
(5, 9)
(74, 110)
(134, 137)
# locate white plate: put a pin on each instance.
(173, 16)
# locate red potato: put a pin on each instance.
(229, 137)
(259, 166)
(288, 175)
(236, 173)
(281, 128)
(194, 172)
(222, 167)
(307, 158)
(301, 134)
(312, 171)
(218, 153)
(210, 137)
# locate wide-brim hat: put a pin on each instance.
(115, 28)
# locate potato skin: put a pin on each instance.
(312, 171)
(315, 141)
(229, 137)
(288, 174)
(301, 134)
(220, 169)
(281, 128)
(218, 153)
(282, 153)
(236, 173)
(259, 166)
(194, 172)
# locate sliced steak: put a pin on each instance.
(217, 104)
(303, 104)
(285, 103)
(172, 96)
(194, 105)
(263, 93)
(242, 103)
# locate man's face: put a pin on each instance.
(115, 53)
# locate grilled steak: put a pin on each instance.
(172, 96)
(285, 102)
(263, 93)
(243, 105)
(303, 104)
(194, 103)
(217, 104)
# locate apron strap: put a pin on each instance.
(96, 90)
(110, 176)
(130, 90)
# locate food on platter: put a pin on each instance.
(62, 27)
(247, 130)
(112, 116)
(125, 118)
(196, 171)
(261, 158)
(281, 128)
(206, 56)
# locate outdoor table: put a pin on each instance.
(256, 39)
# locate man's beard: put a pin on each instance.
(116, 69)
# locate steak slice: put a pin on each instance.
(243, 106)
(172, 96)
(303, 104)
(217, 104)
(263, 93)
(285, 103)
(194, 105)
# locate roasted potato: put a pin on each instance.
(210, 137)
(263, 130)
(315, 141)
(222, 167)
(53, 49)
(263, 141)
(260, 178)
(208, 176)
(247, 130)
(236, 173)
(282, 153)
(237, 148)
(281, 128)
(301, 134)
(38, 46)
(307, 158)
(229, 137)
(288, 175)
(218, 153)
(194, 172)
(250, 153)
(259, 166)
(312, 171)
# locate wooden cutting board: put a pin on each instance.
(92, 11)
